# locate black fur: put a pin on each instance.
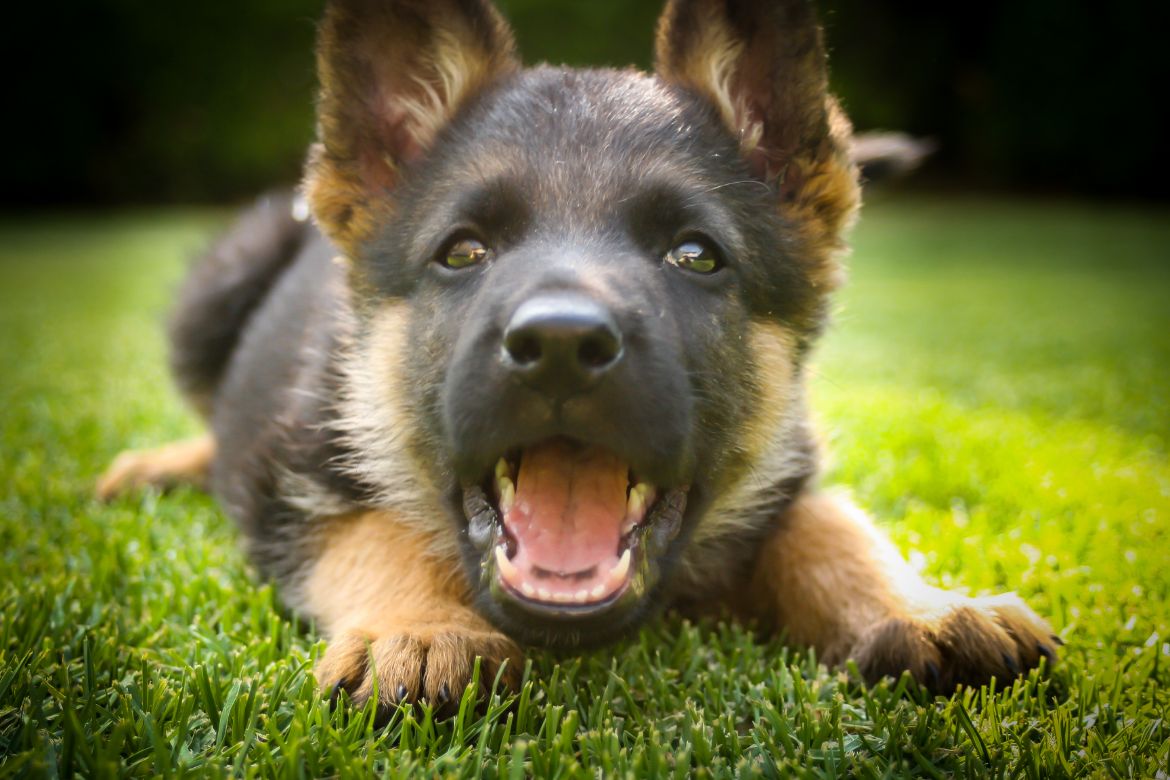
(224, 288)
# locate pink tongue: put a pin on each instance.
(569, 507)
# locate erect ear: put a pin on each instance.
(762, 64)
(392, 73)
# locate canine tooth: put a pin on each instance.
(507, 493)
(527, 589)
(502, 469)
(635, 505)
(506, 567)
(648, 492)
(543, 594)
(581, 596)
(622, 568)
(598, 591)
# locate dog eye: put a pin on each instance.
(465, 252)
(693, 256)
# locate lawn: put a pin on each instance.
(996, 388)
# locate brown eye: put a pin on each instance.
(693, 256)
(466, 252)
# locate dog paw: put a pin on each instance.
(162, 467)
(963, 641)
(435, 665)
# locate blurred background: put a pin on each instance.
(132, 102)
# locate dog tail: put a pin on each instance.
(885, 155)
(225, 285)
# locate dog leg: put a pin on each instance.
(180, 462)
(398, 617)
(834, 582)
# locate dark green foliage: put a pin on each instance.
(123, 100)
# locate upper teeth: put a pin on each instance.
(641, 495)
(505, 489)
(636, 505)
(507, 493)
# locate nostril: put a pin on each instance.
(561, 344)
(598, 350)
(523, 348)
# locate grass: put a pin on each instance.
(997, 388)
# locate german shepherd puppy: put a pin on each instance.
(535, 368)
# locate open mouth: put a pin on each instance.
(568, 528)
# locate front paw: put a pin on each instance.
(433, 663)
(959, 641)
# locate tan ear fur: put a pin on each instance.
(762, 66)
(392, 74)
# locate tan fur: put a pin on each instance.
(181, 462)
(458, 71)
(821, 198)
(763, 444)
(764, 457)
(773, 350)
(334, 189)
(832, 581)
(393, 610)
(378, 423)
(709, 68)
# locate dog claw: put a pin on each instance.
(400, 693)
(444, 694)
(1046, 651)
(335, 693)
(1057, 640)
(935, 677)
(1013, 666)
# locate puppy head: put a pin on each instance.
(584, 295)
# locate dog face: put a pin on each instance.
(583, 296)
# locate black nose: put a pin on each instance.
(561, 343)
